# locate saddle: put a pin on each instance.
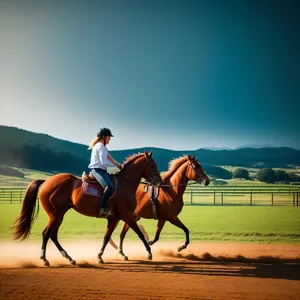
(153, 193)
(90, 185)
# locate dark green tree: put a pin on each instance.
(217, 172)
(282, 176)
(241, 173)
(266, 175)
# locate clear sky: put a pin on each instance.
(171, 74)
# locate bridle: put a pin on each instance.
(199, 177)
(198, 180)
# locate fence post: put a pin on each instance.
(251, 198)
(214, 197)
(191, 195)
(272, 200)
(21, 192)
(293, 199)
(222, 198)
(297, 199)
(11, 197)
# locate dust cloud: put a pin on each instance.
(84, 252)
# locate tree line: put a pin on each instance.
(267, 175)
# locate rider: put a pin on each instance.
(100, 160)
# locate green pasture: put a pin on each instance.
(243, 224)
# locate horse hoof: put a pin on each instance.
(125, 258)
(73, 262)
(150, 257)
(46, 263)
(101, 261)
(150, 243)
(179, 249)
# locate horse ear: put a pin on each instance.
(193, 157)
(145, 152)
(189, 157)
(150, 153)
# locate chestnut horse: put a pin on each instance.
(61, 192)
(170, 199)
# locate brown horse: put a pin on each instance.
(170, 199)
(61, 192)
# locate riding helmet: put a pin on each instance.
(104, 132)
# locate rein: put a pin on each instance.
(142, 182)
(180, 184)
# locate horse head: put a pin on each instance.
(151, 172)
(195, 171)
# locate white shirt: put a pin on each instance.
(99, 157)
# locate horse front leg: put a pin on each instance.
(159, 227)
(123, 233)
(122, 237)
(111, 225)
(179, 224)
(134, 226)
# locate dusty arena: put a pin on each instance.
(203, 271)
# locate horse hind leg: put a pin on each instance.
(54, 238)
(159, 227)
(179, 224)
(51, 231)
(43, 248)
(52, 224)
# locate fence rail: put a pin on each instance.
(207, 196)
(12, 195)
(241, 197)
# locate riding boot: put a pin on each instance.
(104, 210)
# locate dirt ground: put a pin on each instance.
(203, 271)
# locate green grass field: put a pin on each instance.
(206, 223)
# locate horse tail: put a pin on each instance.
(29, 213)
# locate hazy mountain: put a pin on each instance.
(256, 146)
(216, 148)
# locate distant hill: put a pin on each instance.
(7, 171)
(25, 149)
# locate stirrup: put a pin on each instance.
(105, 212)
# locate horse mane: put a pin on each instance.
(132, 158)
(174, 164)
(129, 160)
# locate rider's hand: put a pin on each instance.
(120, 166)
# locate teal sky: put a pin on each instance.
(171, 74)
